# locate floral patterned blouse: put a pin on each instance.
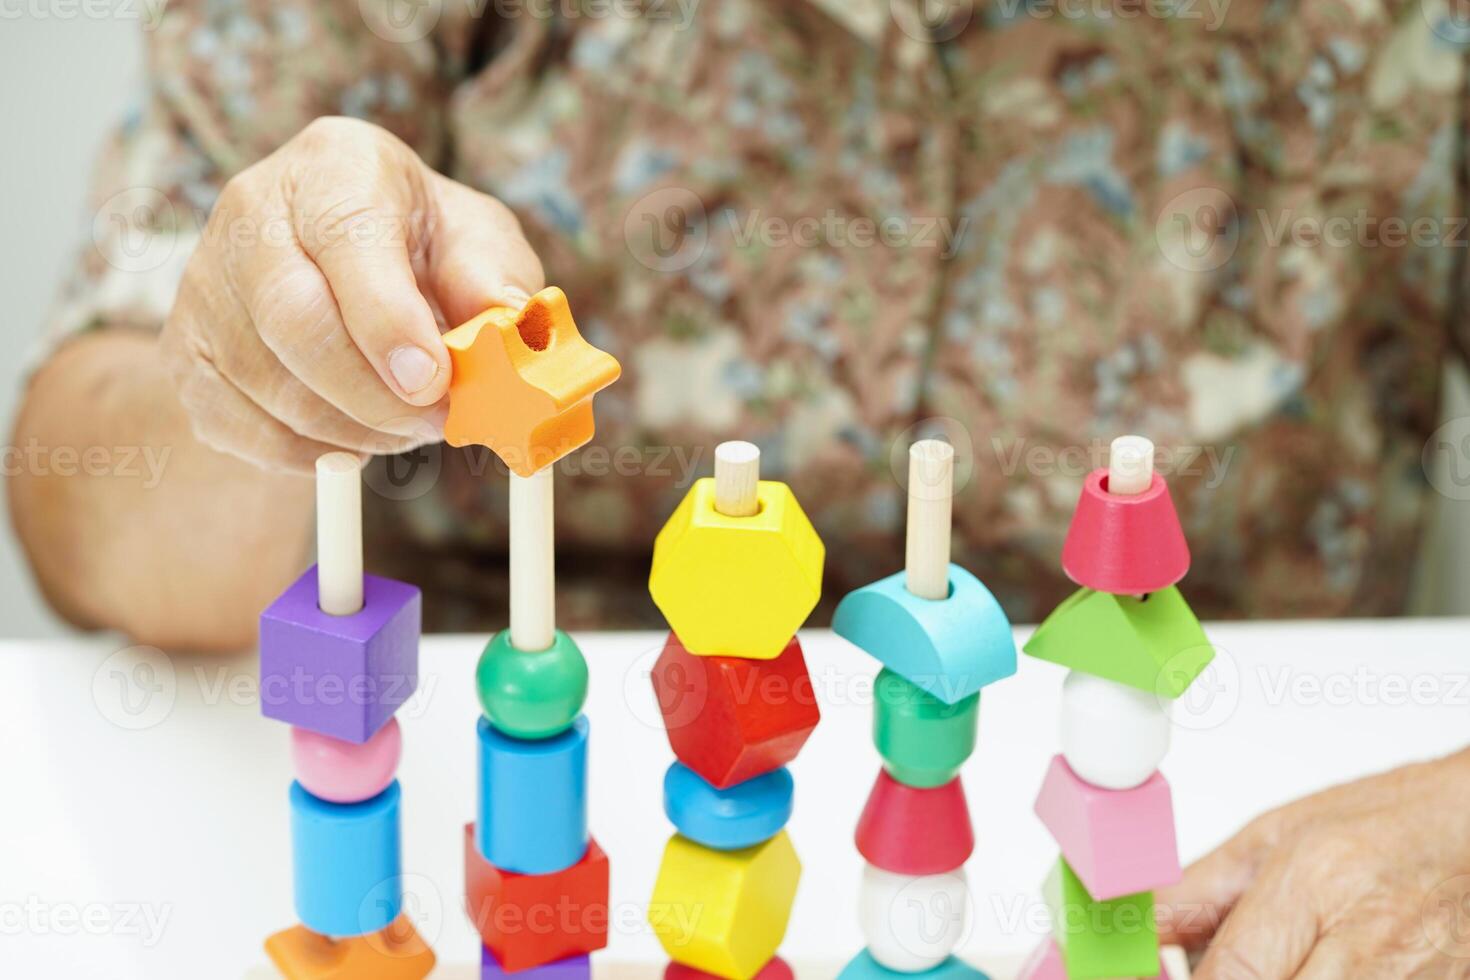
(830, 227)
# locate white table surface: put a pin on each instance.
(144, 827)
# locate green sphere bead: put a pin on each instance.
(531, 694)
(923, 741)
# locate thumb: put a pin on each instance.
(1268, 933)
(479, 257)
(358, 210)
(1192, 910)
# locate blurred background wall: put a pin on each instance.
(64, 80)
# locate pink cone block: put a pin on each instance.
(912, 831)
(345, 772)
(1125, 545)
(1045, 963)
(1118, 841)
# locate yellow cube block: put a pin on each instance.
(737, 586)
(724, 912)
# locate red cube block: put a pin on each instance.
(731, 719)
(531, 920)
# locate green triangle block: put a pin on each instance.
(1154, 644)
(1099, 940)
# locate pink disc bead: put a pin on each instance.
(343, 772)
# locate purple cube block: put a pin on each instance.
(571, 968)
(341, 676)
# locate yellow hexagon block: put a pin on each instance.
(737, 586)
(724, 912)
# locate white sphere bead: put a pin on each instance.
(912, 923)
(1113, 736)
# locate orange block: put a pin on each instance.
(395, 953)
(523, 382)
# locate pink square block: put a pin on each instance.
(1118, 841)
(1045, 963)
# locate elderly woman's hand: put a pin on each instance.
(309, 317)
(1369, 879)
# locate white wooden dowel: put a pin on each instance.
(339, 533)
(532, 561)
(931, 495)
(737, 479)
(1130, 465)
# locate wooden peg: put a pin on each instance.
(931, 495)
(1130, 465)
(737, 478)
(532, 562)
(339, 533)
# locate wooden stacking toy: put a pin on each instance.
(735, 571)
(1132, 646)
(940, 637)
(338, 656)
(536, 881)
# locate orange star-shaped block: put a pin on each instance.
(523, 382)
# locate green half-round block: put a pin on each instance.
(923, 741)
(531, 695)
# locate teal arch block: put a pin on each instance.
(864, 967)
(949, 647)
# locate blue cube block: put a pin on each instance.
(949, 647)
(347, 862)
(727, 819)
(342, 676)
(533, 799)
(864, 967)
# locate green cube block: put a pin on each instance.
(1101, 940)
(1154, 643)
(923, 741)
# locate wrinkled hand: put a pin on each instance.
(1369, 879)
(309, 317)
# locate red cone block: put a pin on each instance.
(1125, 545)
(913, 831)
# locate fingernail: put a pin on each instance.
(515, 297)
(412, 368)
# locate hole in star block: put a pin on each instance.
(534, 325)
